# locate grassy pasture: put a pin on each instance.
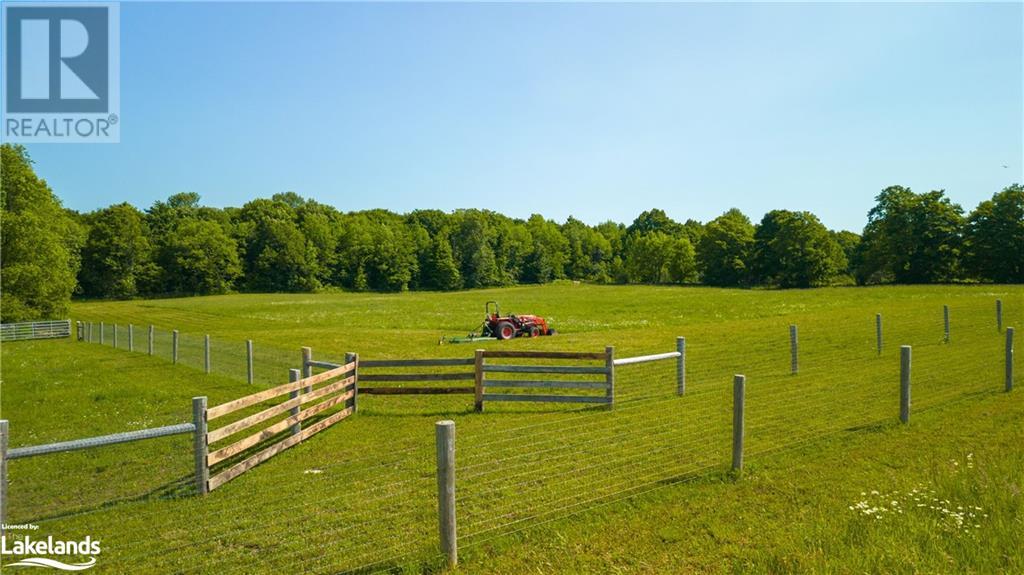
(532, 477)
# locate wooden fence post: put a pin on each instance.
(307, 366)
(945, 323)
(609, 366)
(1009, 359)
(351, 357)
(151, 334)
(206, 353)
(478, 380)
(79, 330)
(115, 336)
(4, 431)
(905, 383)
(793, 352)
(739, 383)
(445, 439)
(999, 315)
(174, 346)
(102, 336)
(681, 366)
(131, 337)
(200, 445)
(293, 376)
(878, 332)
(249, 375)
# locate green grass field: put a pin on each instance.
(543, 488)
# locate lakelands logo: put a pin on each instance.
(25, 552)
(61, 80)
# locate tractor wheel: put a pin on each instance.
(534, 331)
(505, 330)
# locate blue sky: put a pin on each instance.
(594, 110)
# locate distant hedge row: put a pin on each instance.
(288, 243)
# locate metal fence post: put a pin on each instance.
(248, 362)
(681, 366)
(102, 336)
(1009, 359)
(445, 439)
(206, 353)
(293, 376)
(4, 430)
(878, 332)
(200, 445)
(793, 353)
(739, 383)
(131, 337)
(945, 323)
(999, 315)
(307, 366)
(478, 380)
(174, 346)
(351, 357)
(905, 383)
(151, 339)
(609, 366)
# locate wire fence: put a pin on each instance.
(337, 507)
(239, 360)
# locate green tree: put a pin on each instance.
(441, 272)
(199, 258)
(654, 221)
(39, 245)
(911, 238)
(277, 256)
(546, 262)
(994, 237)
(117, 258)
(794, 249)
(724, 251)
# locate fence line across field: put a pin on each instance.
(755, 413)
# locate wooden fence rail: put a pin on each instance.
(485, 382)
(308, 397)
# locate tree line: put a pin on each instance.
(288, 243)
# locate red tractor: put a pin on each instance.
(510, 326)
(496, 326)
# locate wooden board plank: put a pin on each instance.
(546, 354)
(325, 405)
(255, 439)
(327, 390)
(416, 377)
(545, 384)
(546, 398)
(415, 390)
(247, 422)
(253, 399)
(414, 362)
(325, 423)
(254, 460)
(567, 369)
(243, 402)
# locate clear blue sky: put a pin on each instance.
(595, 110)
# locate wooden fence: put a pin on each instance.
(334, 388)
(35, 330)
(575, 377)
